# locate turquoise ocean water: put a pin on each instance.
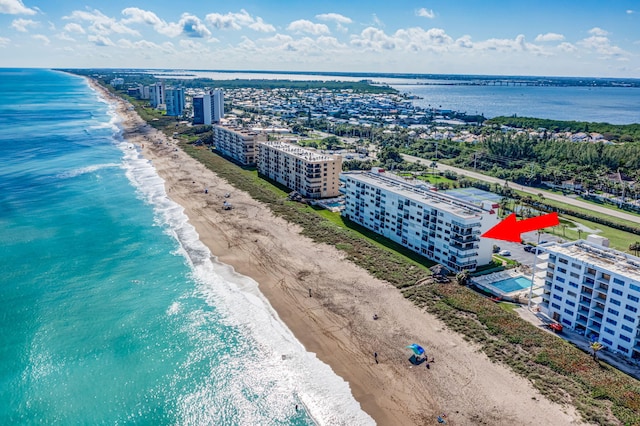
(111, 311)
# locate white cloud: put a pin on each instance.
(100, 23)
(465, 42)
(375, 39)
(100, 40)
(423, 12)
(597, 31)
(305, 26)
(147, 46)
(629, 11)
(193, 27)
(136, 15)
(377, 21)
(334, 17)
(567, 47)
(193, 47)
(65, 37)
(262, 26)
(602, 45)
(22, 25)
(15, 7)
(549, 37)
(44, 39)
(72, 27)
(4, 41)
(236, 21)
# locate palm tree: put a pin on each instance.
(564, 229)
(434, 165)
(463, 277)
(635, 247)
(595, 348)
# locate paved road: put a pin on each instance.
(530, 190)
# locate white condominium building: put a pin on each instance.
(594, 290)
(438, 226)
(237, 144)
(311, 174)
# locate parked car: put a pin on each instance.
(504, 253)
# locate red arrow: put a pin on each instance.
(509, 229)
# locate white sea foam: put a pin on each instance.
(85, 170)
(287, 373)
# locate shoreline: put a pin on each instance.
(336, 322)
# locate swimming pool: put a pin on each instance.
(512, 284)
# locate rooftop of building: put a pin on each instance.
(298, 152)
(598, 256)
(422, 194)
(239, 130)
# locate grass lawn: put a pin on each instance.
(619, 240)
(433, 179)
(578, 209)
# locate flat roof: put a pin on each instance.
(298, 152)
(421, 194)
(601, 257)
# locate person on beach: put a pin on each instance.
(375, 356)
(309, 292)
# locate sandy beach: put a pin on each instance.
(336, 322)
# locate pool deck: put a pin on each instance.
(485, 282)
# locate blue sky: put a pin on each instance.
(555, 38)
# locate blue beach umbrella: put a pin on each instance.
(417, 349)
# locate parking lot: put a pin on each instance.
(517, 250)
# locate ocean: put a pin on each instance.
(111, 309)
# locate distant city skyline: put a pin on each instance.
(568, 38)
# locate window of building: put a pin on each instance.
(610, 331)
(618, 281)
(613, 311)
(623, 349)
(562, 270)
(629, 318)
(557, 287)
(633, 298)
(625, 338)
(560, 279)
(570, 303)
(612, 321)
(574, 275)
(566, 321)
(626, 328)
(634, 287)
(607, 341)
(572, 284)
(555, 305)
(631, 308)
(568, 311)
(616, 291)
(557, 297)
(576, 266)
